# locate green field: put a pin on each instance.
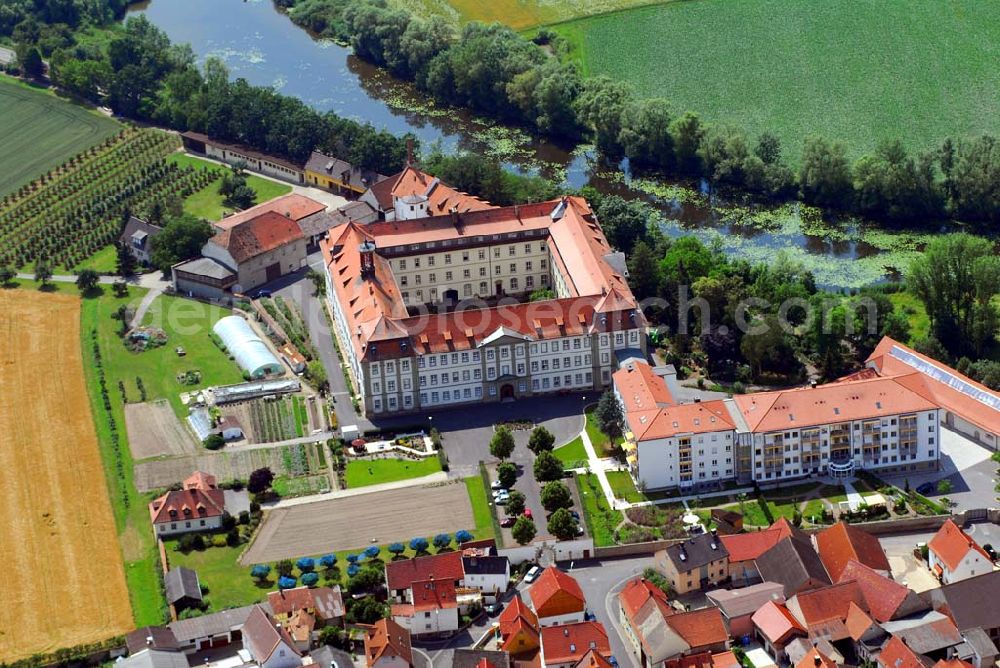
(573, 454)
(852, 70)
(361, 472)
(42, 131)
(207, 202)
(518, 14)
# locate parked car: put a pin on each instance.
(493, 609)
(496, 485)
(575, 515)
(533, 574)
(500, 491)
(990, 551)
(508, 521)
(502, 500)
(927, 488)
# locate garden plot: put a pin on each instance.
(289, 460)
(271, 420)
(154, 431)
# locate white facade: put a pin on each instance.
(254, 164)
(686, 459)
(438, 620)
(179, 526)
(559, 620)
(972, 564)
(487, 583)
(390, 662)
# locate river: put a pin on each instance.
(260, 44)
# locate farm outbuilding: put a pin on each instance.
(246, 347)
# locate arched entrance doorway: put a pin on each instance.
(507, 391)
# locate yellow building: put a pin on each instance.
(338, 176)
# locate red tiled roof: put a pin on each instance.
(884, 596)
(402, 574)
(187, 505)
(441, 198)
(833, 402)
(640, 388)
(293, 206)
(857, 621)
(637, 592)
(434, 595)
(775, 622)
(895, 654)
(951, 544)
(326, 602)
(697, 660)
(387, 639)
(952, 663)
(556, 593)
(827, 603)
(841, 543)
(518, 620)
(262, 636)
(815, 659)
(569, 642)
(261, 234)
(749, 546)
(593, 659)
(698, 418)
(725, 660)
(200, 480)
(699, 628)
(786, 528)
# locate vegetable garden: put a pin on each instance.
(76, 209)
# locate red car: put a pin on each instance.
(508, 521)
(527, 513)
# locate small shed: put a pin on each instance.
(183, 588)
(230, 428)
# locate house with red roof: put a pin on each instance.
(823, 612)
(432, 609)
(775, 627)
(401, 574)
(744, 550)
(387, 645)
(639, 601)
(268, 642)
(896, 654)
(518, 628)
(198, 506)
(953, 555)
(259, 250)
(326, 604)
(557, 598)
(564, 646)
(887, 599)
(841, 543)
(815, 659)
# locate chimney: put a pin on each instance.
(409, 151)
(697, 400)
(149, 640)
(812, 384)
(817, 660)
(367, 250)
(456, 219)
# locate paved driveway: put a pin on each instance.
(914, 572)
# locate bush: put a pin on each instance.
(218, 541)
(306, 564)
(190, 541)
(214, 442)
(228, 521)
(286, 582)
(310, 579)
(285, 567)
(328, 561)
(462, 536)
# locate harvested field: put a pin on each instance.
(291, 460)
(329, 526)
(154, 431)
(65, 583)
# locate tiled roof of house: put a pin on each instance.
(815, 659)
(570, 642)
(386, 638)
(775, 622)
(833, 402)
(293, 206)
(697, 418)
(886, 598)
(300, 626)
(474, 658)
(154, 658)
(343, 171)
(951, 544)
(187, 505)
(242, 149)
(926, 633)
(556, 593)
(696, 552)
(485, 565)
(971, 603)
(326, 602)
(138, 226)
(725, 660)
(181, 583)
(857, 622)
(434, 595)
(593, 659)
(640, 388)
(749, 546)
(793, 562)
(261, 636)
(151, 637)
(518, 622)
(637, 592)
(952, 663)
(841, 543)
(696, 660)
(441, 198)
(745, 601)
(895, 654)
(699, 628)
(403, 573)
(261, 234)
(823, 611)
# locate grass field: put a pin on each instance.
(518, 14)
(41, 131)
(65, 579)
(573, 454)
(207, 202)
(601, 520)
(851, 70)
(361, 472)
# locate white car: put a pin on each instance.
(496, 485)
(501, 500)
(500, 492)
(533, 574)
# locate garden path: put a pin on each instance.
(438, 477)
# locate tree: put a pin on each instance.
(507, 475)
(548, 467)
(43, 272)
(463, 536)
(609, 415)
(309, 579)
(825, 174)
(317, 374)
(318, 281)
(556, 495)
(371, 552)
(214, 442)
(366, 610)
(260, 480)
(286, 582)
(396, 549)
(260, 572)
(956, 277)
(328, 561)
(502, 443)
(306, 564)
(515, 504)
(541, 440)
(31, 62)
(442, 541)
(182, 238)
(124, 260)
(944, 486)
(524, 530)
(687, 132)
(285, 567)
(419, 544)
(7, 274)
(563, 525)
(644, 272)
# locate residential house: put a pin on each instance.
(895, 654)
(387, 645)
(823, 612)
(815, 659)
(952, 663)
(694, 564)
(518, 628)
(971, 603)
(866, 634)
(738, 605)
(268, 642)
(433, 608)
(138, 237)
(401, 574)
(182, 588)
(953, 555)
(704, 660)
(229, 428)
(414, 194)
(244, 156)
(744, 549)
(475, 658)
(794, 564)
(326, 604)
(887, 599)
(487, 573)
(218, 629)
(977, 649)
(259, 250)
(841, 543)
(300, 626)
(151, 637)
(205, 278)
(565, 645)
(339, 176)
(199, 506)
(930, 634)
(154, 658)
(775, 627)
(641, 609)
(594, 659)
(557, 598)
(701, 630)
(310, 215)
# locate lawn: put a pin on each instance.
(573, 454)
(207, 202)
(600, 519)
(361, 472)
(623, 487)
(857, 71)
(916, 314)
(41, 131)
(230, 584)
(602, 444)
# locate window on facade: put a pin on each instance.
(447, 275)
(447, 258)
(402, 265)
(466, 273)
(497, 269)
(529, 282)
(482, 287)
(511, 251)
(465, 256)
(402, 281)
(432, 277)
(482, 255)
(527, 265)
(513, 283)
